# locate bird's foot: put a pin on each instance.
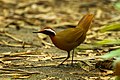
(72, 64)
(61, 64)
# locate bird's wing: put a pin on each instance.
(71, 35)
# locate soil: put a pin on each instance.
(29, 56)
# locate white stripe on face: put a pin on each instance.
(50, 30)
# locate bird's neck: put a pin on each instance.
(52, 38)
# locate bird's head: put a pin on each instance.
(48, 31)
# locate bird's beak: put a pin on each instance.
(39, 31)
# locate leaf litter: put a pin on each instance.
(24, 54)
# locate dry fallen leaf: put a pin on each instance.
(42, 36)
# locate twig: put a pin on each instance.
(19, 70)
(13, 37)
(15, 45)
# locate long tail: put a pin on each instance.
(85, 22)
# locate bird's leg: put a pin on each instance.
(68, 56)
(72, 57)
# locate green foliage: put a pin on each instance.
(114, 53)
(117, 5)
(117, 78)
(111, 27)
(99, 44)
(108, 42)
(88, 46)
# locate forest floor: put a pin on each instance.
(28, 56)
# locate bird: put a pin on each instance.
(70, 38)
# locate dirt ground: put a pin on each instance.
(28, 56)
